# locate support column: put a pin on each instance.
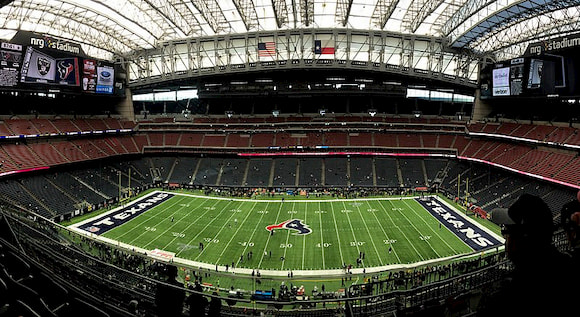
(481, 108)
(125, 106)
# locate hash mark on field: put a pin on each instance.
(193, 222)
(353, 235)
(174, 224)
(383, 229)
(337, 235)
(146, 221)
(304, 236)
(268, 239)
(402, 232)
(370, 235)
(222, 228)
(202, 230)
(434, 231)
(287, 237)
(321, 238)
(250, 239)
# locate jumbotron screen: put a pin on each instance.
(40, 62)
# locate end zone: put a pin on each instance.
(118, 216)
(470, 232)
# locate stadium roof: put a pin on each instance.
(108, 27)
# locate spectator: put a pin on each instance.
(196, 301)
(215, 305)
(537, 282)
(170, 295)
(570, 218)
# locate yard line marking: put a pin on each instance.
(413, 225)
(370, 235)
(286, 248)
(148, 219)
(304, 236)
(250, 239)
(431, 228)
(386, 235)
(204, 228)
(174, 224)
(200, 231)
(337, 235)
(321, 238)
(268, 239)
(352, 230)
(404, 235)
(238, 229)
(417, 229)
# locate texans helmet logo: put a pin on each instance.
(64, 69)
(294, 224)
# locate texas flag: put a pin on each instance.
(328, 47)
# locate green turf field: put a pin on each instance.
(387, 231)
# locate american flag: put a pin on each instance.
(267, 49)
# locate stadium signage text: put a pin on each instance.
(119, 217)
(58, 45)
(554, 44)
(472, 235)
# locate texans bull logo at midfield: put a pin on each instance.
(294, 224)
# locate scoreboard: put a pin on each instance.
(547, 69)
(39, 62)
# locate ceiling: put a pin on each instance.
(118, 27)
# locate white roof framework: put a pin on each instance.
(118, 27)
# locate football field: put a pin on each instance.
(306, 234)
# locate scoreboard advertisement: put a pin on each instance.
(546, 69)
(10, 61)
(36, 62)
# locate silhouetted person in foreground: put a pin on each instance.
(537, 284)
(215, 305)
(169, 298)
(570, 218)
(197, 302)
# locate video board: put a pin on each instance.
(528, 76)
(10, 62)
(38, 67)
(39, 62)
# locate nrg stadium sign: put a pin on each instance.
(552, 45)
(55, 44)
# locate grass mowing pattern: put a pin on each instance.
(341, 230)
